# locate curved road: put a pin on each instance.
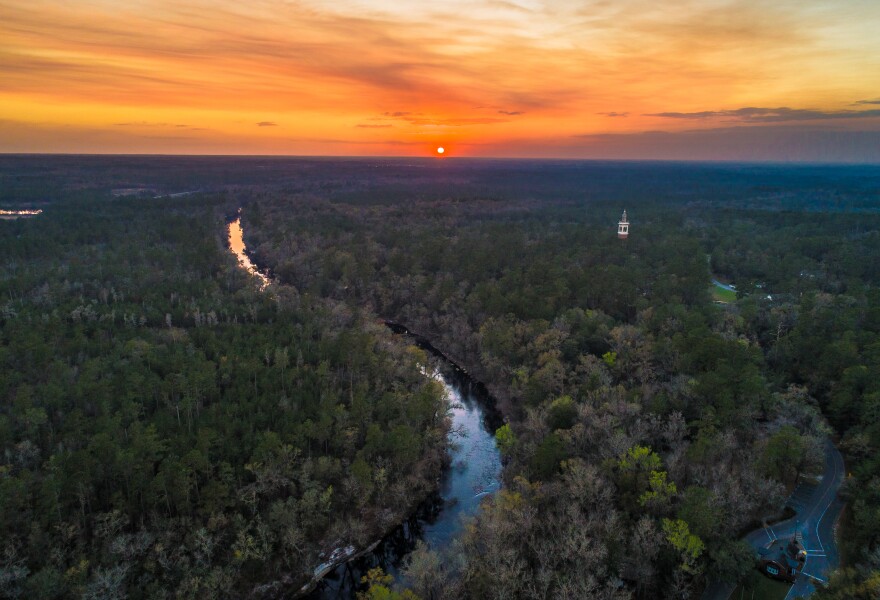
(817, 511)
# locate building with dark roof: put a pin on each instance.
(782, 561)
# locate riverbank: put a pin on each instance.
(437, 511)
(472, 473)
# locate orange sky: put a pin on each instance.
(481, 78)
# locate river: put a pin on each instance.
(473, 474)
(236, 244)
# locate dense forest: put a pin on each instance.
(648, 427)
(169, 430)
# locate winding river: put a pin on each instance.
(474, 472)
(236, 244)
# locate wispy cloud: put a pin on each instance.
(422, 119)
(769, 115)
(455, 121)
(149, 124)
(468, 70)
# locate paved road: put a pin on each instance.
(818, 508)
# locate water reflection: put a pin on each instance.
(236, 244)
(474, 473)
(9, 215)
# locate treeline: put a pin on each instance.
(648, 428)
(167, 430)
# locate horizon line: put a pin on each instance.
(429, 158)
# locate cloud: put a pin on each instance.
(335, 141)
(752, 114)
(267, 124)
(76, 139)
(149, 124)
(614, 114)
(510, 112)
(874, 101)
(373, 126)
(455, 121)
(777, 142)
(422, 120)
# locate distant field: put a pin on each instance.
(723, 295)
(758, 587)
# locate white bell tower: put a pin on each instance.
(623, 227)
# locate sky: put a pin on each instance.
(789, 80)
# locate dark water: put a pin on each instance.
(474, 473)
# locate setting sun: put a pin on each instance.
(440, 150)
(104, 77)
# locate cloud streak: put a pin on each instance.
(148, 124)
(422, 119)
(781, 142)
(769, 115)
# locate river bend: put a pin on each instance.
(474, 470)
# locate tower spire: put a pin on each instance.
(623, 227)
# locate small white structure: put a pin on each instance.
(623, 227)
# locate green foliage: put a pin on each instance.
(660, 491)
(639, 459)
(610, 358)
(689, 546)
(379, 587)
(641, 480)
(505, 438)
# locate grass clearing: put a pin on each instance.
(723, 295)
(758, 587)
